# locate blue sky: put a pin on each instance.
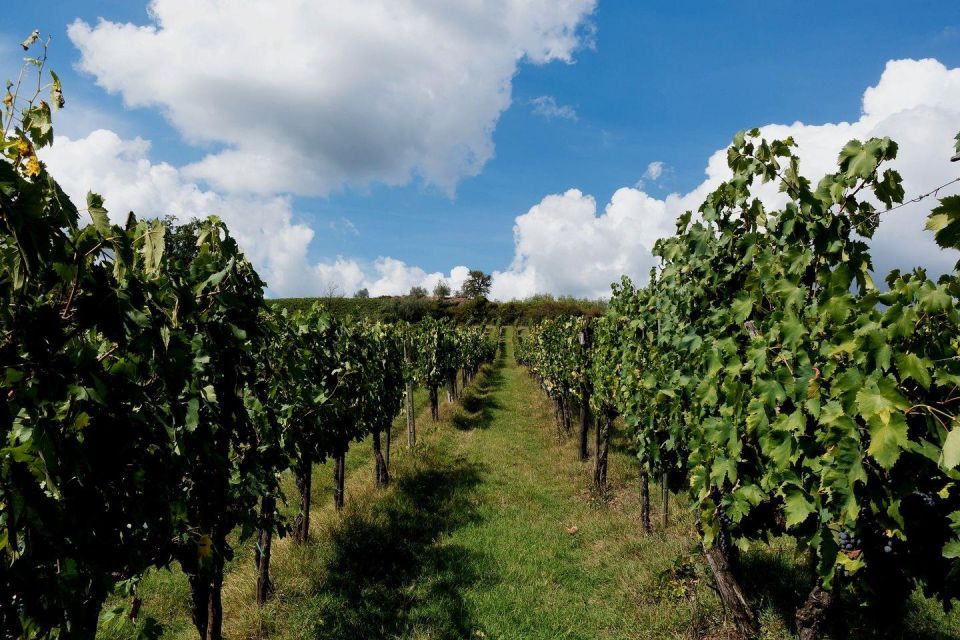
(665, 82)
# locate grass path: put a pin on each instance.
(536, 579)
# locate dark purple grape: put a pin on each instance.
(928, 500)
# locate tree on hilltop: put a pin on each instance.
(476, 285)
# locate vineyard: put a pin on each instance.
(167, 432)
(762, 372)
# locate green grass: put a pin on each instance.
(490, 530)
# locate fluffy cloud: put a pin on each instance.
(547, 107)
(654, 170)
(265, 226)
(307, 96)
(563, 246)
(386, 276)
(394, 276)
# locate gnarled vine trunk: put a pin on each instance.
(812, 615)
(665, 499)
(206, 586)
(728, 588)
(452, 387)
(268, 506)
(585, 425)
(563, 426)
(380, 463)
(304, 478)
(205, 561)
(411, 418)
(388, 436)
(645, 502)
(434, 404)
(339, 471)
(603, 451)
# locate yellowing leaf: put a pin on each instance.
(33, 167)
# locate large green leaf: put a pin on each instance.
(797, 507)
(888, 438)
(910, 365)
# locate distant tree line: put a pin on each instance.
(468, 305)
(417, 305)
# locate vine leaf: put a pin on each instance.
(951, 448)
(101, 221)
(911, 365)
(944, 220)
(797, 507)
(887, 438)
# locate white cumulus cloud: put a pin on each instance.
(563, 246)
(265, 226)
(305, 96)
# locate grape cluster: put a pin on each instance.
(723, 541)
(928, 500)
(723, 537)
(848, 542)
(888, 546)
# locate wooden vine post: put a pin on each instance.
(382, 475)
(263, 548)
(339, 471)
(408, 398)
(665, 495)
(583, 337)
(304, 479)
(645, 502)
